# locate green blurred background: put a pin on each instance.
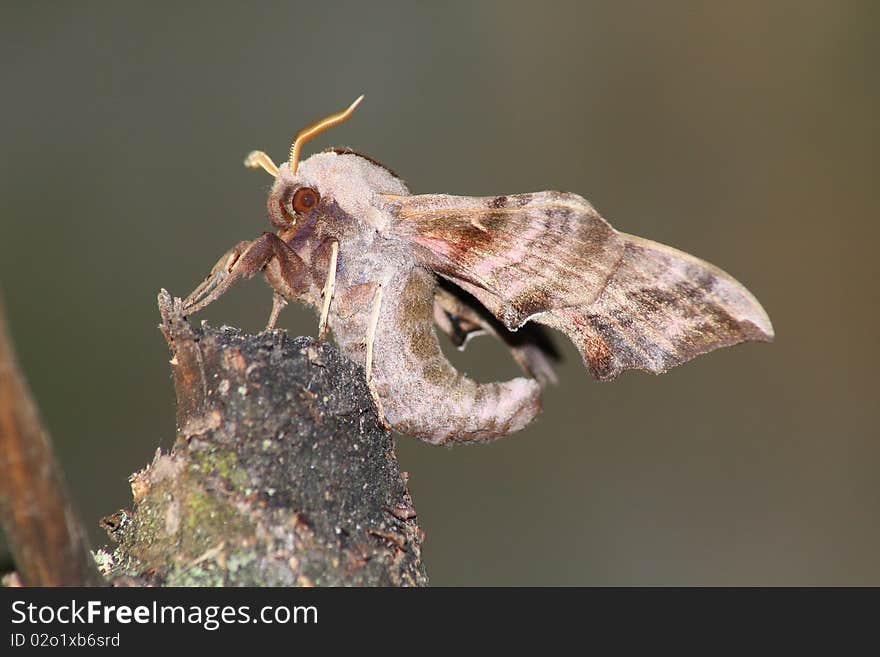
(745, 133)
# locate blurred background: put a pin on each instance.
(745, 133)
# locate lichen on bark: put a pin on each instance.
(280, 475)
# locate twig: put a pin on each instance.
(280, 475)
(47, 540)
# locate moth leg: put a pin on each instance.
(371, 331)
(369, 341)
(243, 261)
(460, 321)
(278, 304)
(226, 261)
(444, 322)
(327, 292)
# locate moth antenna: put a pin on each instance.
(316, 129)
(258, 159)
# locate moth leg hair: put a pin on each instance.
(258, 159)
(327, 292)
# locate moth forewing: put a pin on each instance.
(535, 251)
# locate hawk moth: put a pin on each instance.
(384, 267)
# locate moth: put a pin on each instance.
(385, 269)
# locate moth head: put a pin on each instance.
(337, 184)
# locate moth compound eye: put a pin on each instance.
(304, 200)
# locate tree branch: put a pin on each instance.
(280, 474)
(45, 536)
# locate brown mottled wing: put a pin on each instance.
(660, 308)
(518, 255)
(626, 302)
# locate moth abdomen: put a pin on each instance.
(419, 390)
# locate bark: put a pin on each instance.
(280, 475)
(46, 539)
